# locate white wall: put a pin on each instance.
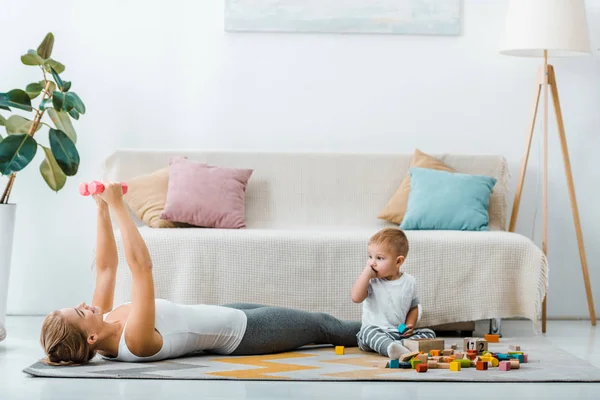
(164, 74)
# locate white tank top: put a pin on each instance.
(189, 328)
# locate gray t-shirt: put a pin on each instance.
(389, 302)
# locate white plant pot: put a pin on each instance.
(7, 228)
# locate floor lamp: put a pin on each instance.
(548, 28)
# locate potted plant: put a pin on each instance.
(19, 145)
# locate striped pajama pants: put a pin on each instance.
(376, 338)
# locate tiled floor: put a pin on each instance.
(22, 348)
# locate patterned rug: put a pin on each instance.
(546, 364)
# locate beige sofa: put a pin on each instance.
(309, 216)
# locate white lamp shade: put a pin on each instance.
(559, 26)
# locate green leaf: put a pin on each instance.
(16, 98)
(32, 58)
(73, 113)
(58, 67)
(58, 98)
(63, 123)
(73, 99)
(64, 151)
(45, 48)
(17, 125)
(33, 90)
(46, 104)
(52, 85)
(2, 120)
(66, 86)
(16, 152)
(57, 79)
(4, 108)
(51, 171)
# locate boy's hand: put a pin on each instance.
(409, 330)
(370, 272)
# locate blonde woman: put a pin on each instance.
(149, 329)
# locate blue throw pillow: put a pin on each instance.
(447, 201)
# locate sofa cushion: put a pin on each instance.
(448, 201)
(146, 197)
(396, 207)
(206, 195)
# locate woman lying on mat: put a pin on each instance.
(149, 329)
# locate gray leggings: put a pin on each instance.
(277, 329)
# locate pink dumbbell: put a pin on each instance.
(95, 187)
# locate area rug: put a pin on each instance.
(546, 364)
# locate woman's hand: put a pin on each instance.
(100, 202)
(113, 193)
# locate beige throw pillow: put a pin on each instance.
(396, 208)
(146, 197)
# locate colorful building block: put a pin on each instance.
(459, 355)
(515, 364)
(423, 345)
(432, 364)
(402, 328)
(421, 368)
(414, 362)
(525, 358)
(339, 350)
(405, 365)
(454, 346)
(394, 364)
(514, 347)
(434, 353)
(454, 366)
(464, 362)
(492, 338)
(408, 356)
(481, 366)
(423, 358)
(447, 352)
(478, 344)
(504, 366)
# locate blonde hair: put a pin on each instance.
(64, 343)
(394, 239)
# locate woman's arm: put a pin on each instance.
(106, 259)
(142, 339)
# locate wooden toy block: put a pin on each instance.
(381, 364)
(464, 362)
(515, 352)
(481, 366)
(478, 344)
(515, 364)
(434, 353)
(423, 358)
(424, 345)
(414, 362)
(402, 328)
(435, 358)
(525, 358)
(503, 356)
(454, 346)
(405, 365)
(339, 350)
(432, 364)
(421, 368)
(447, 352)
(504, 366)
(514, 347)
(443, 365)
(459, 355)
(492, 338)
(394, 364)
(454, 366)
(408, 356)
(519, 357)
(495, 362)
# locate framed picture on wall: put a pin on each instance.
(409, 17)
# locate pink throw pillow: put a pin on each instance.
(206, 195)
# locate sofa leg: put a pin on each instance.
(496, 326)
